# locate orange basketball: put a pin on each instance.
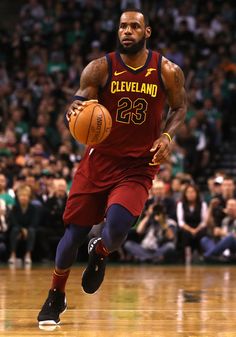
(91, 125)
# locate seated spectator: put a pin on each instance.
(34, 9)
(224, 238)
(4, 194)
(3, 230)
(177, 159)
(23, 221)
(213, 187)
(176, 189)
(228, 188)
(191, 216)
(50, 233)
(158, 243)
(132, 3)
(95, 51)
(224, 190)
(186, 140)
(158, 196)
(214, 120)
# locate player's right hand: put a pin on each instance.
(77, 106)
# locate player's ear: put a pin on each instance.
(148, 32)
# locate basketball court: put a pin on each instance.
(134, 300)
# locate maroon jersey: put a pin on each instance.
(135, 99)
(117, 171)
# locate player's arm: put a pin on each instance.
(173, 79)
(93, 76)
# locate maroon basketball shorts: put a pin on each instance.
(100, 182)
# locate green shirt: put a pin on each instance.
(9, 200)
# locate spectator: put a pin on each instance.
(224, 238)
(191, 216)
(34, 9)
(228, 188)
(159, 197)
(132, 3)
(4, 150)
(95, 51)
(23, 221)
(176, 189)
(212, 189)
(188, 142)
(214, 120)
(159, 241)
(175, 55)
(52, 229)
(224, 189)
(3, 230)
(177, 159)
(185, 15)
(4, 194)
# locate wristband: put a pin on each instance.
(79, 98)
(168, 136)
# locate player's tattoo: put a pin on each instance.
(97, 71)
(93, 77)
(90, 75)
(178, 77)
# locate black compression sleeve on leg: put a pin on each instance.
(118, 223)
(67, 248)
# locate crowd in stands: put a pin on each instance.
(41, 60)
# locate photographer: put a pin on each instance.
(214, 248)
(159, 240)
(224, 190)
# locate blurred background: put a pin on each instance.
(190, 216)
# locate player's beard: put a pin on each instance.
(133, 49)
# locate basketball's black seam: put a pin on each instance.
(91, 118)
(104, 122)
(76, 123)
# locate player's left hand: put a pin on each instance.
(161, 148)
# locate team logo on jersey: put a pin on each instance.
(149, 71)
(117, 73)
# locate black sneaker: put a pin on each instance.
(54, 305)
(94, 273)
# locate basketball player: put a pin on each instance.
(114, 177)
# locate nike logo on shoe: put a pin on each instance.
(92, 244)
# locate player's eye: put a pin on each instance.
(135, 26)
(123, 25)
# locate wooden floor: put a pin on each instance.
(133, 301)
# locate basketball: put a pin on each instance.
(91, 125)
